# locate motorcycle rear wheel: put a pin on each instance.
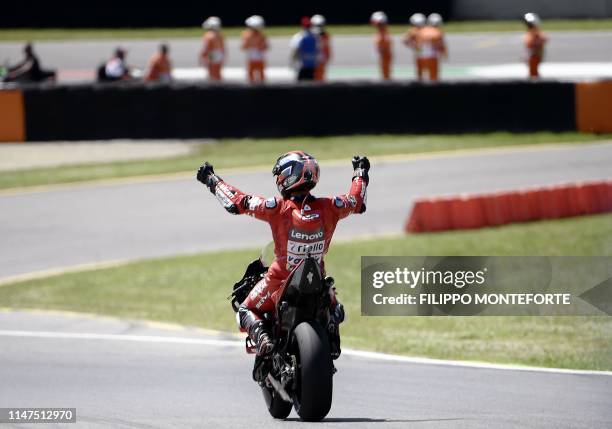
(313, 398)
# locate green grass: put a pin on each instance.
(228, 153)
(41, 34)
(191, 290)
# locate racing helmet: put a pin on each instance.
(317, 20)
(212, 23)
(295, 171)
(532, 19)
(418, 20)
(435, 20)
(379, 18)
(256, 22)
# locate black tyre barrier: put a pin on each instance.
(107, 111)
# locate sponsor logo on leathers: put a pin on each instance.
(299, 235)
(302, 243)
(224, 194)
(299, 248)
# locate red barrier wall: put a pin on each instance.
(480, 210)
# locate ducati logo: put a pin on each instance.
(310, 276)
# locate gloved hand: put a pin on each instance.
(204, 172)
(206, 175)
(361, 164)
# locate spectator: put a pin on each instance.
(318, 27)
(431, 46)
(383, 43)
(255, 43)
(116, 68)
(305, 51)
(213, 50)
(534, 42)
(417, 23)
(159, 68)
(28, 70)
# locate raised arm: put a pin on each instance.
(234, 200)
(356, 199)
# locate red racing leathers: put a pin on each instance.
(298, 223)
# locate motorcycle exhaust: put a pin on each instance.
(279, 388)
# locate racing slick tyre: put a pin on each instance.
(278, 408)
(313, 397)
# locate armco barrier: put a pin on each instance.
(476, 211)
(236, 110)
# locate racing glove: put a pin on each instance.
(207, 176)
(361, 166)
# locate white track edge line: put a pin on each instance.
(349, 352)
(120, 337)
(467, 364)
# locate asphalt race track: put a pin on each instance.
(140, 375)
(73, 225)
(127, 375)
(464, 48)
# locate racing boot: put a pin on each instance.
(258, 332)
(261, 338)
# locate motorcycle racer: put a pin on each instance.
(301, 224)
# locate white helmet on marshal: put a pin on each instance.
(256, 22)
(379, 18)
(532, 19)
(435, 20)
(418, 20)
(212, 23)
(317, 20)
